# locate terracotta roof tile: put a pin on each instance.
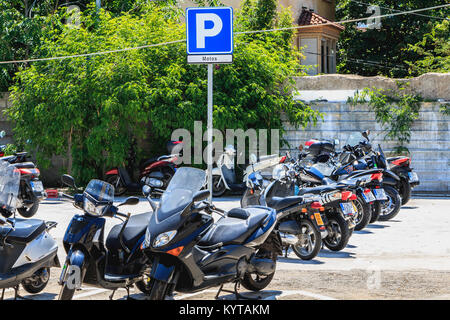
(308, 18)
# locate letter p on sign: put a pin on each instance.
(209, 30)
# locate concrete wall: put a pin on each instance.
(429, 146)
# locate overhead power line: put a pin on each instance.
(236, 33)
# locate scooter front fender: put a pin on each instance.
(161, 272)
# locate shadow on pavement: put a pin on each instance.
(335, 254)
(299, 261)
(377, 226)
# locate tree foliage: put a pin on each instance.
(91, 108)
(385, 51)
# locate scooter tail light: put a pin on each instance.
(377, 176)
(316, 205)
(345, 195)
(366, 190)
(352, 197)
(402, 161)
(283, 159)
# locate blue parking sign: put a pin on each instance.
(209, 30)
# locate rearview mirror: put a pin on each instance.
(336, 142)
(253, 158)
(155, 183)
(146, 190)
(130, 201)
(2, 134)
(201, 195)
(68, 181)
(365, 134)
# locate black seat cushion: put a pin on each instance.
(318, 190)
(279, 203)
(26, 230)
(24, 165)
(238, 213)
(135, 229)
(229, 230)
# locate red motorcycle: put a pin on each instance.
(153, 171)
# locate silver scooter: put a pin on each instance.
(27, 251)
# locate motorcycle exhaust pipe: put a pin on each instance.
(288, 239)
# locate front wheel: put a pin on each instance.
(338, 233)
(65, 293)
(158, 290)
(309, 241)
(390, 207)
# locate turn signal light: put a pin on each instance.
(304, 210)
(176, 251)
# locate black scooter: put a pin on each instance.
(117, 264)
(190, 252)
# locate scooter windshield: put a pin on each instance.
(101, 191)
(179, 193)
(9, 186)
(355, 138)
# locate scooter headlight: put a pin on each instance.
(93, 209)
(164, 238)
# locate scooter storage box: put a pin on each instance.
(320, 147)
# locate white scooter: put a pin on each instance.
(27, 251)
(224, 175)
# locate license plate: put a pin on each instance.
(368, 196)
(348, 208)
(37, 186)
(318, 219)
(413, 177)
(380, 194)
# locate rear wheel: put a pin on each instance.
(405, 191)
(309, 241)
(218, 186)
(29, 212)
(255, 282)
(390, 207)
(363, 214)
(338, 233)
(376, 210)
(116, 181)
(37, 282)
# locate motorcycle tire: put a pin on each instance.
(119, 189)
(38, 285)
(29, 212)
(394, 202)
(144, 286)
(341, 233)
(366, 213)
(405, 191)
(258, 284)
(317, 245)
(158, 290)
(218, 187)
(65, 293)
(376, 210)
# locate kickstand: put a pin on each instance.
(235, 291)
(3, 294)
(286, 251)
(112, 294)
(17, 295)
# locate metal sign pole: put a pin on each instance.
(210, 130)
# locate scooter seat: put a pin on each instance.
(134, 230)
(25, 230)
(231, 230)
(25, 165)
(319, 189)
(279, 203)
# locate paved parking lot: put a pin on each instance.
(405, 258)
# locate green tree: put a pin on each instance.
(90, 109)
(433, 50)
(384, 51)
